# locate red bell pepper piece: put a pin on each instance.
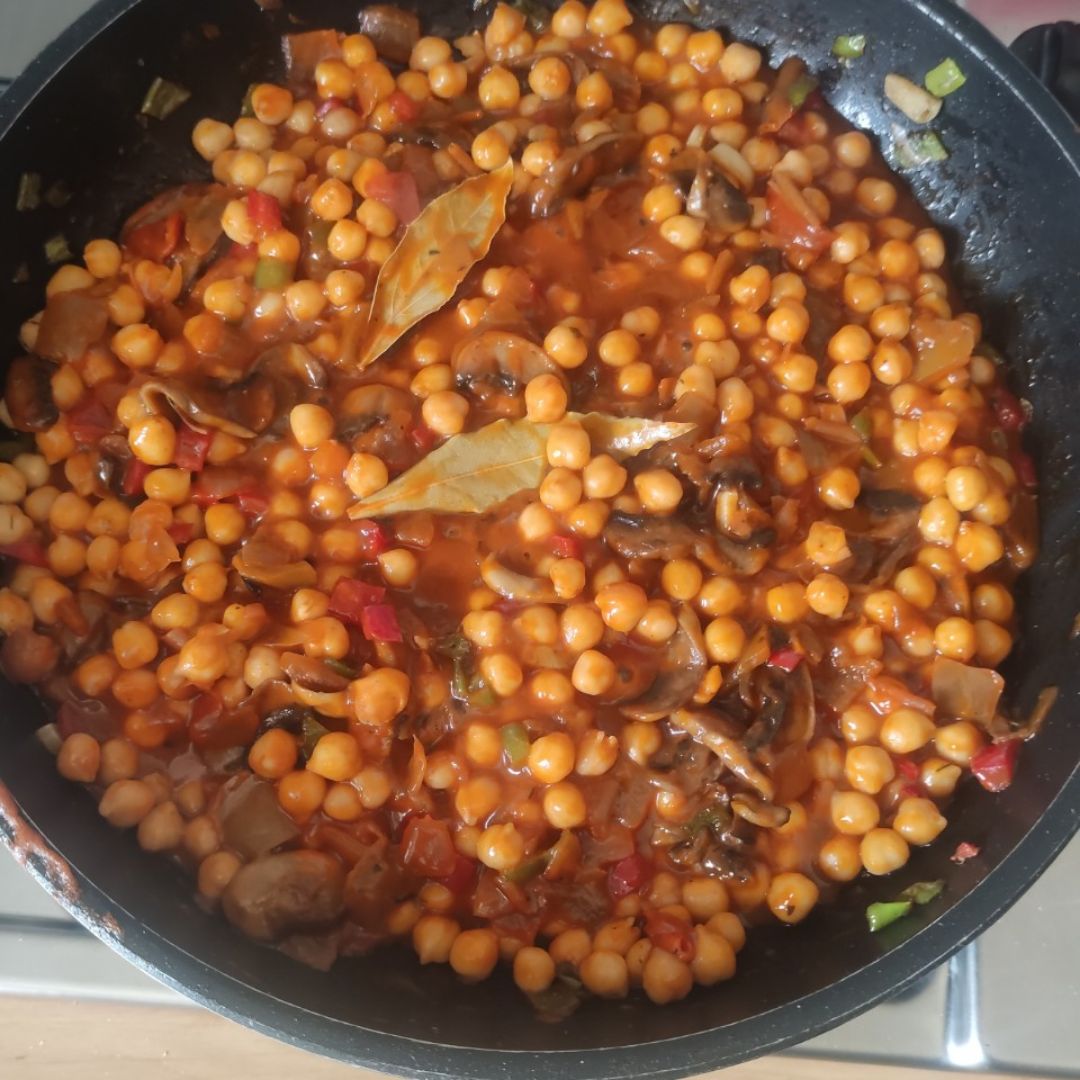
(191, 448)
(349, 598)
(423, 437)
(374, 539)
(628, 876)
(26, 551)
(156, 240)
(462, 878)
(963, 852)
(566, 547)
(89, 421)
(995, 765)
(672, 934)
(787, 659)
(379, 623)
(264, 211)
(791, 219)
(134, 476)
(398, 191)
(403, 106)
(1008, 410)
(911, 791)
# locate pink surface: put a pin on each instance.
(1010, 18)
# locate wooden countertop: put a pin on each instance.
(55, 1039)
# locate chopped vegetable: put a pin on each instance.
(57, 195)
(311, 732)
(882, 914)
(801, 89)
(995, 766)
(163, 99)
(57, 250)
(28, 196)
(191, 448)
(350, 597)
(629, 875)
(515, 742)
(247, 110)
(922, 892)
(272, 274)
(945, 78)
(346, 671)
(566, 547)
(264, 211)
(379, 622)
(787, 659)
(134, 477)
(919, 148)
(963, 852)
(912, 100)
(849, 46)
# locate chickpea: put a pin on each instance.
(474, 953)
(787, 603)
(868, 768)
(621, 605)
(500, 847)
(919, 821)
(546, 399)
(958, 742)
(79, 758)
(433, 938)
(593, 673)
(273, 754)
(882, 851)
(659, 491)
(379, 697)
(564, 806)
(791, 897)
(853, 812)
(839, 858)
(904, 731)
(126, 802)
(534, 969)
(551, 757)
(665, 978)
(162, 828)
(597, 752)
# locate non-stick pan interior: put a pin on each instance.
(1006, 197)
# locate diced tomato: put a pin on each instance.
(566, 547)
(158, 239)
(214, 485)
(427, 849)
(374, 539)
(89, 421)
(264, 211)
(379, 623)
(670, 933)
(135, 475)
(1024, 464)
(1008, 410)
(329, 105)
(350, 597)
(398, 191)
(911, 791)
(963, 852)
(787, 659)
(244, 251)
(252, 502)
(629, 875)
(907, 769)
(181, 532)
(26, 551)
(191, 448)
(995, 766)
(423, 437)
(791, 220)
(462, 878)
(403, 106)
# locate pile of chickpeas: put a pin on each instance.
(683, 320)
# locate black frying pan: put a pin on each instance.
(1009, 199)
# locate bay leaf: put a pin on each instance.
(440, 246)
(472, 472)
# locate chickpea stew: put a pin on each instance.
(540, 501)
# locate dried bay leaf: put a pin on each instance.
(451, 234)
(472, 472)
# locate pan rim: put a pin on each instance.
(816, 1012)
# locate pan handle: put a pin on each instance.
(1052, 52)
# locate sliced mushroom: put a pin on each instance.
(377, 419)
(714, 199)
(201, 411)
(579, 167)
(635, 537)
(514, 586)
(707, 729)
(393, 32)
(312, 673)
(278, 894)
(507, 361)
(28, 394)
(70, 324)
(266, 561)
(762, 814)
(684, 666)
